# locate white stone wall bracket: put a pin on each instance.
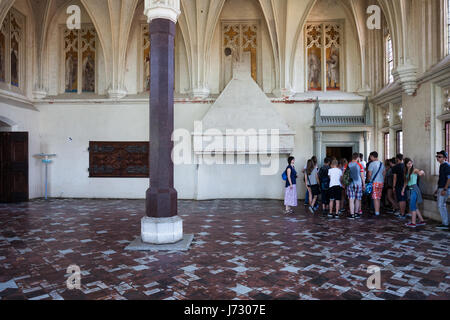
(406, 74)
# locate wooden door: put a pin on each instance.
(14, 166)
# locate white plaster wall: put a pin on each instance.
(129, 122)
(27, 120)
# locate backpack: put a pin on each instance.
(284, 175)
(324, 178)
(347, 178)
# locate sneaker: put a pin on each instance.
(396, 213)
(352, 217)
(358, 216)
(311, 209)
(442, 227)
(410, 225)
(336, 216)
(330, 215)
(421, 224)
(377, 214)
(402, 217)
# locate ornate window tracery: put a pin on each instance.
(239, 37)
(11, 49)
(324, 55)
(80, 60)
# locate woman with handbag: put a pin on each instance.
(414, 193)
(290, 194)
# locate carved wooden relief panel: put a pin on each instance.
(119, 159)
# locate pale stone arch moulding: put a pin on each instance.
(10, 124)
(198, 21)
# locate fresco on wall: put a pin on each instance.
(16, 35)
(332, 45)
(237, 39)
(314, 52)
(88, 36)
(71, 60)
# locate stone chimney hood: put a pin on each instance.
(243, 107)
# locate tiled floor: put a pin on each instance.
(244, 249)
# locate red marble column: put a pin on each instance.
(161, 197)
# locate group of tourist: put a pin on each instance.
(340, 186)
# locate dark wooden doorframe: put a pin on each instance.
(14, 167)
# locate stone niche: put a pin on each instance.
(242, 143)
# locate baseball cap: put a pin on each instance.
(443, 152)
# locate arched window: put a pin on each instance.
(80, 59)
(11, 49)
(389, 60)
(324, 52)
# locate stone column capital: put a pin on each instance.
(406, 74)
(162, 9)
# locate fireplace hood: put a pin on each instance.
(243, 112)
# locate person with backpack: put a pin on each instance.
(290, 194)
(443, 192)
(354, 180)
(375, 175)
(312, 184)
(325, 184)
(343, 163)
(414, 194)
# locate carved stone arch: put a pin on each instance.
(389, 13)
(5, 6)
(212, 22)
(101, 33)
(355, 27)
(298, 33)
(270, 18)
(55, 10)
(185, 30)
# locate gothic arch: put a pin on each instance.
(351, 14)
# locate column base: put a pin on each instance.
(161, 230)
